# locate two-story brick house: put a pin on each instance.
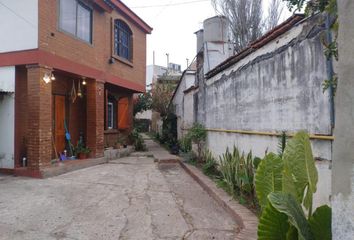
(66, 66)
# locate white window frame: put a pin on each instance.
(112, 115)
(84, 6)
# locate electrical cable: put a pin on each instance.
(18, 15)
(171, 4)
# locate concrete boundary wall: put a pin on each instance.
(276, 88)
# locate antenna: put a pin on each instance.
(168, 61)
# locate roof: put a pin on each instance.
(262, 41)
(126, 11)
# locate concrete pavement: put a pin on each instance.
(128, 198)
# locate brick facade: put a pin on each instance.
(70, 59)
(58, 42)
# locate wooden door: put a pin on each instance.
(123, 113)
(59, 123)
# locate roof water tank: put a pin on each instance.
(216, 29)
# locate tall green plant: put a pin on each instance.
(210, 166)
(237, 171)
(285, 186)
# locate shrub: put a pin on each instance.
(185, 144)
(198, 135)
(237, 172)
(210, 166)
(137, 140)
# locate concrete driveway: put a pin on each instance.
(129, 198)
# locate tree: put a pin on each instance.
(275, 10)
(142, 103)
(161, 96)
(246, 19)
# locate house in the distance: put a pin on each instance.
(66, 66)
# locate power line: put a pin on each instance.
(18, 15)
(171, 4)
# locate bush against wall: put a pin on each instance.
(198, 135)
(237, 171)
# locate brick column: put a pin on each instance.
(39, 98)
(95, 117)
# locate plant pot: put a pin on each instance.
(125, 145)
(82, 156)
(118, 146)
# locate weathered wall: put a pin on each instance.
(343, 155)
(183, 103)
(7, 116)
(18, 21)
(276, 88)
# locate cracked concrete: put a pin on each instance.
(129, 198)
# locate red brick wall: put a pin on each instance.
(39, 118)
(95, 119)
(97, 54)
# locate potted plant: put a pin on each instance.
(82, 151)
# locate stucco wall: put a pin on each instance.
(276, 88)
(18, 25)
(7, 116)
(183, 103)
(343, 154)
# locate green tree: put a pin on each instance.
(143, 102)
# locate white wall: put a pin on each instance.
(7, 117)
(217, 143)
(184, 106)
(276, 88)
(18, 25)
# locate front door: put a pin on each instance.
(59, 123)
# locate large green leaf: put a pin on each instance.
(320, 223)
(292, 233)
(287, 204)
(268, 177)
(273, 225)
(300, 172)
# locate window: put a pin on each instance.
(110, 115)
(122, 40)
(76, 18)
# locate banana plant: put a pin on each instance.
(284, 187)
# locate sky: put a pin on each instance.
(174, 23)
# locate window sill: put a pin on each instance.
(111, 131)
(88, 43)
(123, 60)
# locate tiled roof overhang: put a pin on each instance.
(120, 7)
(262, 41)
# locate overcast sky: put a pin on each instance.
(174, 23)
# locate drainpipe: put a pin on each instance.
(330, 73)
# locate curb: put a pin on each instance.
(247, 221)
